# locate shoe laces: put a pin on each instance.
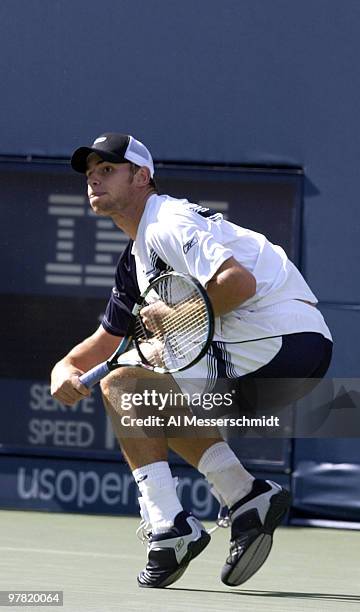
(223, 519)
(143, 532)
(237, 546)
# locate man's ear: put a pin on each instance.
(142, 177)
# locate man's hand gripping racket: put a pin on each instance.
(172, 327)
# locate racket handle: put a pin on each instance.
(93, 376)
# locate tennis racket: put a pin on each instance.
(171, 328)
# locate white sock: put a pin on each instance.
(158, 491)
(223, 470)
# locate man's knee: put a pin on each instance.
(122, 380)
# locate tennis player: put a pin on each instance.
(267, 325)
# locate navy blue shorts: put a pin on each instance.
(295, 371)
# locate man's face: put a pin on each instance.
(109, 185)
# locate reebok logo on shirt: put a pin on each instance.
(188, 245)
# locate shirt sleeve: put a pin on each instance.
(189, 243)
(123, 295)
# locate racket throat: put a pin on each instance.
(122, 348)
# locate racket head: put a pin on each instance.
(181, 323)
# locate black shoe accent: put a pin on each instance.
(170, 553)
(258, 487)
(251, 537)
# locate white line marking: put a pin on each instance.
(79, 553)
(60, 210)
(54, 267)
(65, 233)
(64, 245)
(108, 247)
(104, 259)
(100, 269)
(105, 224)
(64, 257)
(214, 204)
(110, 236)
(66, 222)
(92, 281)
(62, 280)
(74, 553)
(63, 198)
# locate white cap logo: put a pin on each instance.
(101, 139)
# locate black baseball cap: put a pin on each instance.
(115, 148)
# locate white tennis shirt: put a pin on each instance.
(176, 234)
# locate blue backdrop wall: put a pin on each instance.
(229, 82)
(236, 81)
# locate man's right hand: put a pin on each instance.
(66, 386)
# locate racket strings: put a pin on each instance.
(194, 326)
(185, 328)
(177, 327)
(183, 314)
(179, 316)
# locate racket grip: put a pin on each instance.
(93, 376)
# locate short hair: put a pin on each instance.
(134, 168)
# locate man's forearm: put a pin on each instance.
(230, 286)
(65, 385)
(91, 351)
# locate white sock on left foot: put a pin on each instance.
(158, 490)
(223, 470)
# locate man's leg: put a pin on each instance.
(214, 458)
(210, 454)
(176, 536)
(257, 507)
